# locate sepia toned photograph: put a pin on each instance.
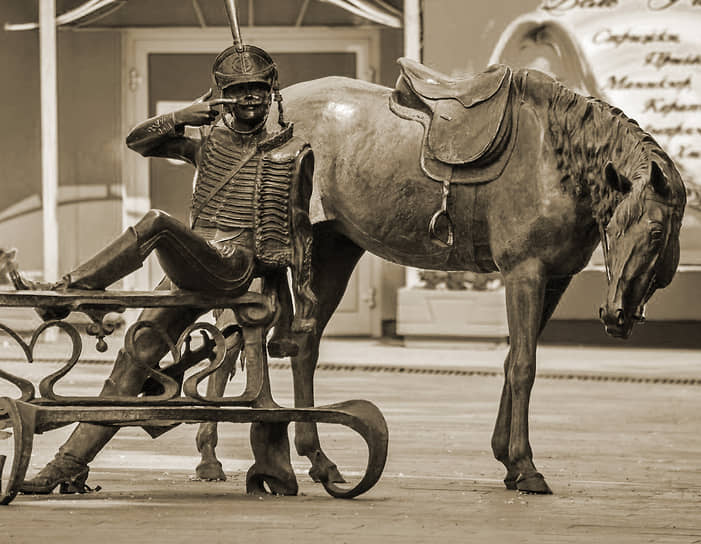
(374, 271)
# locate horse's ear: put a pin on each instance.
(658, 180)
(616, 182)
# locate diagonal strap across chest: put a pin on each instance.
(219, 186)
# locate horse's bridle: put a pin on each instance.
(640, 312)
(605, 248)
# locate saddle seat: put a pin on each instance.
(433, 85)
(469, 122)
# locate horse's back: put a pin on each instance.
(367, 173)
(330, 86)
(368, 176)
(329, 106)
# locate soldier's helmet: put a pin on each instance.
(244, 64)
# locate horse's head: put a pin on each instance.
(641, 244)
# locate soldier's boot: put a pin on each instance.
(24, 284)
(69, 468)
(116, 260)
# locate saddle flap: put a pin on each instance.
(461, 135)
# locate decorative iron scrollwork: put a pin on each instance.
(28, 392)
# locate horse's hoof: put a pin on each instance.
(279, 348)
(510, 483)
(534, 483)
(510, 479)
(326, 472)
(210, 471)
(264, 484)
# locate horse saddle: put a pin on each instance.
(469, 123)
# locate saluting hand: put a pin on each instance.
(201, 112)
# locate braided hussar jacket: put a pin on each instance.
(276, 175)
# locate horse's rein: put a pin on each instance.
(605, 248)
(640, 312)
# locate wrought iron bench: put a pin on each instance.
(170, 401)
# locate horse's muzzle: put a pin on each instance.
(615, 322)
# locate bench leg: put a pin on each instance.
(21, 417)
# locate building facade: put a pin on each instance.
(641, 55)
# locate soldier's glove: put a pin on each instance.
(201, 112)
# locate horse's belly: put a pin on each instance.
(396, 227)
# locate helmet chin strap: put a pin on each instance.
(227, 117)
(230, 121)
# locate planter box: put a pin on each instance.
(426, 313)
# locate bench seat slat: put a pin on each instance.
(75, 298)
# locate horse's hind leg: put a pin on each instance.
(209, 467)
(333, 259)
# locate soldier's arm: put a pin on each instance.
(165, 135)
(162, 136)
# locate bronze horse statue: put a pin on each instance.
(532, 178)
(529, 186)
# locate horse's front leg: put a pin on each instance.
(525, 291)
(502, 430)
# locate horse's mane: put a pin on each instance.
(586, 133)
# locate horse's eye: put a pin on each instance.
(656, 236)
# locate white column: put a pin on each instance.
(412, 50)
(412, 29)
(49, 136)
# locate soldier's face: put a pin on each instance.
(252, 101)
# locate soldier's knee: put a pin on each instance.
(154, 221)
(148, 346)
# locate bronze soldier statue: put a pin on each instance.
(250, 218)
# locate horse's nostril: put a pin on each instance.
(620, 319)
